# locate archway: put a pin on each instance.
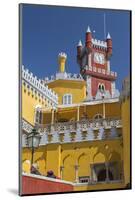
(83, 167)
(68, 168)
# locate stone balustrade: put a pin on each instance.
(85, 130)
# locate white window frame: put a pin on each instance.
(38, 115)
(84, 179)
(67, 99)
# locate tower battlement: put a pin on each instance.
(99, 43)
(62, 55)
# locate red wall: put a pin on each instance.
(96, 81)
(32, 185)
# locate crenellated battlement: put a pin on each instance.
(62, 55)
(37, 87)
(65, 76)
(99, 43)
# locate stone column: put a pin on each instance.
(61, 172)
(52, 120)
(103, 109)
(78, 134)
(78, 117)
(107, 172)
(76, 173)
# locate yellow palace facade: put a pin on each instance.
(84, 139)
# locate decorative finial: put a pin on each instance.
(79, 43)
(88, 30)
(108, 36)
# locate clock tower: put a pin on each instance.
(94, 61)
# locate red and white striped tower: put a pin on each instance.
(94, 62)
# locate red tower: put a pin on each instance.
(94, 62)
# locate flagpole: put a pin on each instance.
(104, 26)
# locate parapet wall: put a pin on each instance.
(99, 43)
(37, 87)
(35, 184)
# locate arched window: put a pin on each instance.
(101, 87)
(67, 99)
(98, 116)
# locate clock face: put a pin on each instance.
(99, 58)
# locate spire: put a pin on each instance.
(108, 36)
(79, 43)
(88, 30)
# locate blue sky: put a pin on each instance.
(47, 31)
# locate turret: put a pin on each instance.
(79, 50)
(88, 41)
(109, 46)
(62, 60)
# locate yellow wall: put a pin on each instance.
(29, 102)
(76, 88)
(125, 108)
(111, 110)
(99, 186)
(52, 156)
(83, 154)
(39, 158)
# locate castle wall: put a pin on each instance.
(125, 114)
(96, 81)
(76, 88)
(63, 158)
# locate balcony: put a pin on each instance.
(84, 130)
